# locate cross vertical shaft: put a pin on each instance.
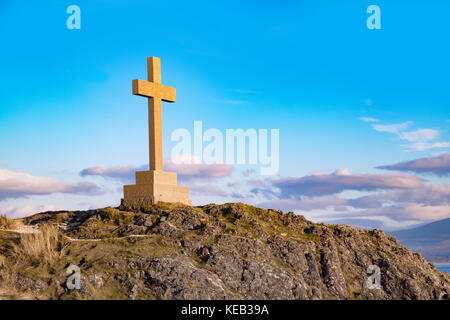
(155, 117)
(155, 134)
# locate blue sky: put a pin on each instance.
(311, 69)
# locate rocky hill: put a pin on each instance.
(230, 251)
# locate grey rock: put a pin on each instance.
(35, 286)
(179, 279)
(96, 280)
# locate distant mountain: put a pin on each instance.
(432, 240)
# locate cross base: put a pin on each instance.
(154, 186)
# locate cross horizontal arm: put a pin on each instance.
(150, 89)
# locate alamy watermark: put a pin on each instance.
(374, 20)
(238, 146)
(74, 279)
(74, 20)
(374, 280)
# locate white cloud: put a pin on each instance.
(409, 211)
(422, 146)
(245, 91)
(367, 119)
(419, 135)
(386, 222)
(392, 128)
(420, 139)
(233, 102)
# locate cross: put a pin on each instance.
(155, 92)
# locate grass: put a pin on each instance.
(7, 223)
(34, 252)
(38, 248)
(309, 237)
(356, 294)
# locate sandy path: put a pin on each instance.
(27, 229)
(24, 229)
(106, 239)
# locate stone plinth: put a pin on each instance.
(154, 186)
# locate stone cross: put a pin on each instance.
(154, 185)
(155, 92)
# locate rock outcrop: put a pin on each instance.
(230, 251)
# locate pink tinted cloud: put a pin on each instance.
(185, 171)
(199, 171)
(341, 180)
(124, 173)
(439, 165)
(20, 184)
(207, 190)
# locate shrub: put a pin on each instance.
(118, 217)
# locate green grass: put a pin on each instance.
(119, 218)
